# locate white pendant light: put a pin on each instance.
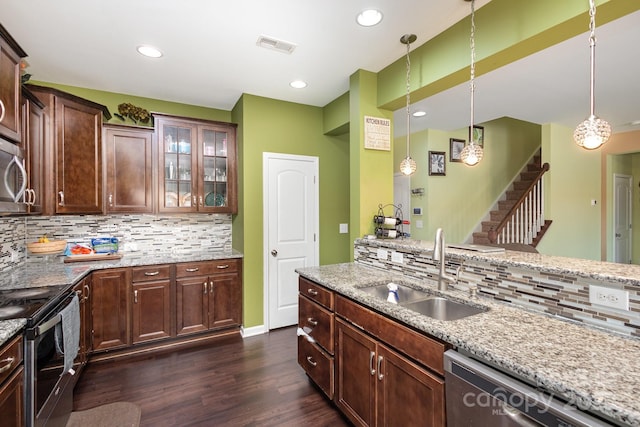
(594, 131)
(408, 165)
(472, 153)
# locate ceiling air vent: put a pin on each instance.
(275, 44)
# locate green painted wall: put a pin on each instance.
(458, 201)
(274, 126)
(336, 116)
(574, 179)
(371, 171)
(112, 100)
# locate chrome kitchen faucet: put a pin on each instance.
(439, 255)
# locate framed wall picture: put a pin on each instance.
(437, 163)
(477, 135)
(455, 148)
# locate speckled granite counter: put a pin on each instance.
(592, 368)
(40, 271)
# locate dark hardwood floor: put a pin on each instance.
(236, 382)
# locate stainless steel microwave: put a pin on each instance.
(13, 177)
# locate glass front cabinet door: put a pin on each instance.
(197, 166)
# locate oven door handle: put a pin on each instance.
(48, 324)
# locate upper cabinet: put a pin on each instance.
(73, 152)
(128, 169)
(10, 114)
(33, 131)
(197, 165)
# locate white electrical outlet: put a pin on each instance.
(382, 254)
(609, 297)
(397, 257)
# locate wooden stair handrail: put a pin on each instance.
(494, 232)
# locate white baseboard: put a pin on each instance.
(254, 330)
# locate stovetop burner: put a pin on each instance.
(29, 303)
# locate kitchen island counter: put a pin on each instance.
(595, 369)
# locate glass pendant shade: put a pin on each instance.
(408, 166)
(592, 133)
(471, 154)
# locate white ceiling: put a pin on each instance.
(211, 57)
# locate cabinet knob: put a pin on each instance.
(4, 110)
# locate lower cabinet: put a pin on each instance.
(11, 384)
(151, 313)
(208, 295)
(83, 291)
(110, 309)
(378, 386)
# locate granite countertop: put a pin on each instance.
(38, 271)
(628, 274)
(596, 370)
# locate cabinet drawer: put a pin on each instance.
(10, 358)
(317, 364)
(317, 293)
(427, 351)
(152, 272)
(317, 322)
(205, 268)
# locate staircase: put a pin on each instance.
(519, 215)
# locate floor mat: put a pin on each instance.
(119, 414)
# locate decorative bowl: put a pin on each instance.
(51, 247)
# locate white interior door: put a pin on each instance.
(622, 218)
(290, 231)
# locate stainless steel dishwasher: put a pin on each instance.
(479, 395)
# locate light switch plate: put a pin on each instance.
(382, 254)
(609, 297)
(344, 228)
(397, 257)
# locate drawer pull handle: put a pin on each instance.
(8, 366)
(4, 110)
(311, 361)
(312, 292)
(312, 321)
(191, 270)
(204, 285)
(372, 355)
(135, 297)
(222, 267)
(380, 375)
(151, 273)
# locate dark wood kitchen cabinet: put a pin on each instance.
(11, 383)
(10, 115)
(33, 131)
(389, 373)
(73, 154)
(110, 309)
(151, 287)
(316, 318)
(196, 165)
(378, 386)
(129, 165)
(208, 295)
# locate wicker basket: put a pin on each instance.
(52, 247)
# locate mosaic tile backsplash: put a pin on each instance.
(562, 295)
(150, 234)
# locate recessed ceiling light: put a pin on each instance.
(369, 17)
(149, 51)
(298, 84)
(419, 113)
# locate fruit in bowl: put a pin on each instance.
(45, 246)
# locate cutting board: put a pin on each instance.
(92, 257)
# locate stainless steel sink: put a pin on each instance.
(425, 302)
(405, 293)
(443, 309)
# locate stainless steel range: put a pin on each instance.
(48, 390)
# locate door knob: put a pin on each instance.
(274, 252)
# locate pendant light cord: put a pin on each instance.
(592, 49)
(408, 97)
(472, 84)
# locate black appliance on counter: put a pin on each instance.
(48, 390)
